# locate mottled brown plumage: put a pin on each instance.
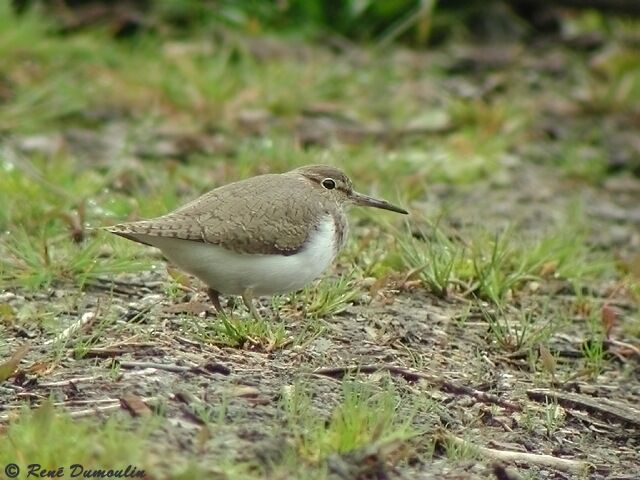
(236, 216)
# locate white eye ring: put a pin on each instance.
(329, 183)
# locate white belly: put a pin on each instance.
(232, 273)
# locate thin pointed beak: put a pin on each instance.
(366, 201)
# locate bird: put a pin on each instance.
(265, 235)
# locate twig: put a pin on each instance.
(128, 283)
(186, 341)
(564, 464)
(84, 323)
(68, 382)
(601, 407)
(158, 366)
(112, 404)
(76, 414)
(71, 403)
(206, 369)
(93, 411)
(115, 350)
(623, 345)
(413, 376)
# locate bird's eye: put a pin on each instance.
(329, 183)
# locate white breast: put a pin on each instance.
(232, 273)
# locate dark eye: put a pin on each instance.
(329, 183)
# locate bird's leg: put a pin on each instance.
(247, 298)
(214, 296)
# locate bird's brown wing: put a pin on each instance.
(267, 214)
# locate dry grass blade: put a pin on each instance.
(531, 459)
(8, 368)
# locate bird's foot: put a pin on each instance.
(247, 298)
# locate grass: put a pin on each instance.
(554, 416)
(242, 332)
(593, 349)
(364, 416)
(54, 439)
(46, 440)
(497, 267)
(433, 258)
(328, 297)
(38, 262)
(519, 330)
(459, 451)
